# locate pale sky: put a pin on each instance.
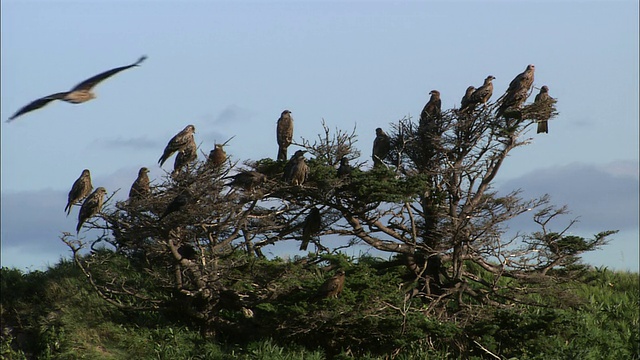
(230, 68)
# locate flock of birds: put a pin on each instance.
(296, 170)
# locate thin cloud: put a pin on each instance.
(139, 143)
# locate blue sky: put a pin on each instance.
(230, 68)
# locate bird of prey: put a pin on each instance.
(296, 170)
(140, 188)
(381, 147)
(284, 134)
(80, 189)
(518, 90)
(177, 203)
(187, 155)
(432, 110)
(482, 94)
(91, 206)
(79, 94)
(178, 142)
(464, 103)
(217, 156)
(332, 287)
(312, 224)
(344, 169)
(247, 180)
(543, 96)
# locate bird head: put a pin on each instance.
(86, 172)
(531, 67)
(544, 89)
(190, 128)
(286, 112)
(434, 93)
(143, 170)
(490, 78)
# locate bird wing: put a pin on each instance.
(94, 80)
(37, 104)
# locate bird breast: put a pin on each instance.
(79, 96)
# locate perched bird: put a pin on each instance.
(140, 188)
(464, 103)
(178, 142)
(79, 190)
(187, 155)
(344, 169)
(312, 224)
(543, 123)
(518, 90)
(284, 134)
(432, 110)
(482, 94)
(247, 180)
(177, 203)
(296, 170)
(91, 206)
(381, 147)
(217, 156)
(332, 287)
(79, 94)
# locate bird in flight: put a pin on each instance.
(78, 94)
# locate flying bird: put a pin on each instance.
(518, 90)
(91, 206)
(344, 169)
(312, 224)
(79, 190)
(178, 142)
(177, 203)
(246, 180)
(296, 170)
(381, 147)
(140, 187)
(332, 287)
(284, 134)
(464, 103)
(79, 94)
(543, 123)
(187, 155)
(481, 95)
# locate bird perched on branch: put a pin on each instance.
(217, 156)
(284, 134)
(381, 147)
(481, 95)
(312, 225)
(79, 94)
(141, 186)
(432, 110)
(79, 190)
(344, 169)
(332, 287)
(247, 180)
(91, 206)
(187, 155)
(542, 97)
(177, 203)
(296, 170)
(466, 99)
(518, 90)
(181, 140)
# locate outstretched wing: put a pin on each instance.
(94, 80)
(37, 104)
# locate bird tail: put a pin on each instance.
(79, 227)
(68, 209)
(282, 153)
(543, 127)
(305, 243)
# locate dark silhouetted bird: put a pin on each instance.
(344, 169)
(217, 157)
(178, 142)
(296, 170)
(79, 94)
(543, 123)
(518, 90)
(91, 206)
(464, 103)
(482, 94)
(332, 287)
(247, 180)
(432, 110)
(284, 134)
(187, 155)
(312, 224)
(141, 186)
(381, 147)
(177, 203)
(79, 190)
